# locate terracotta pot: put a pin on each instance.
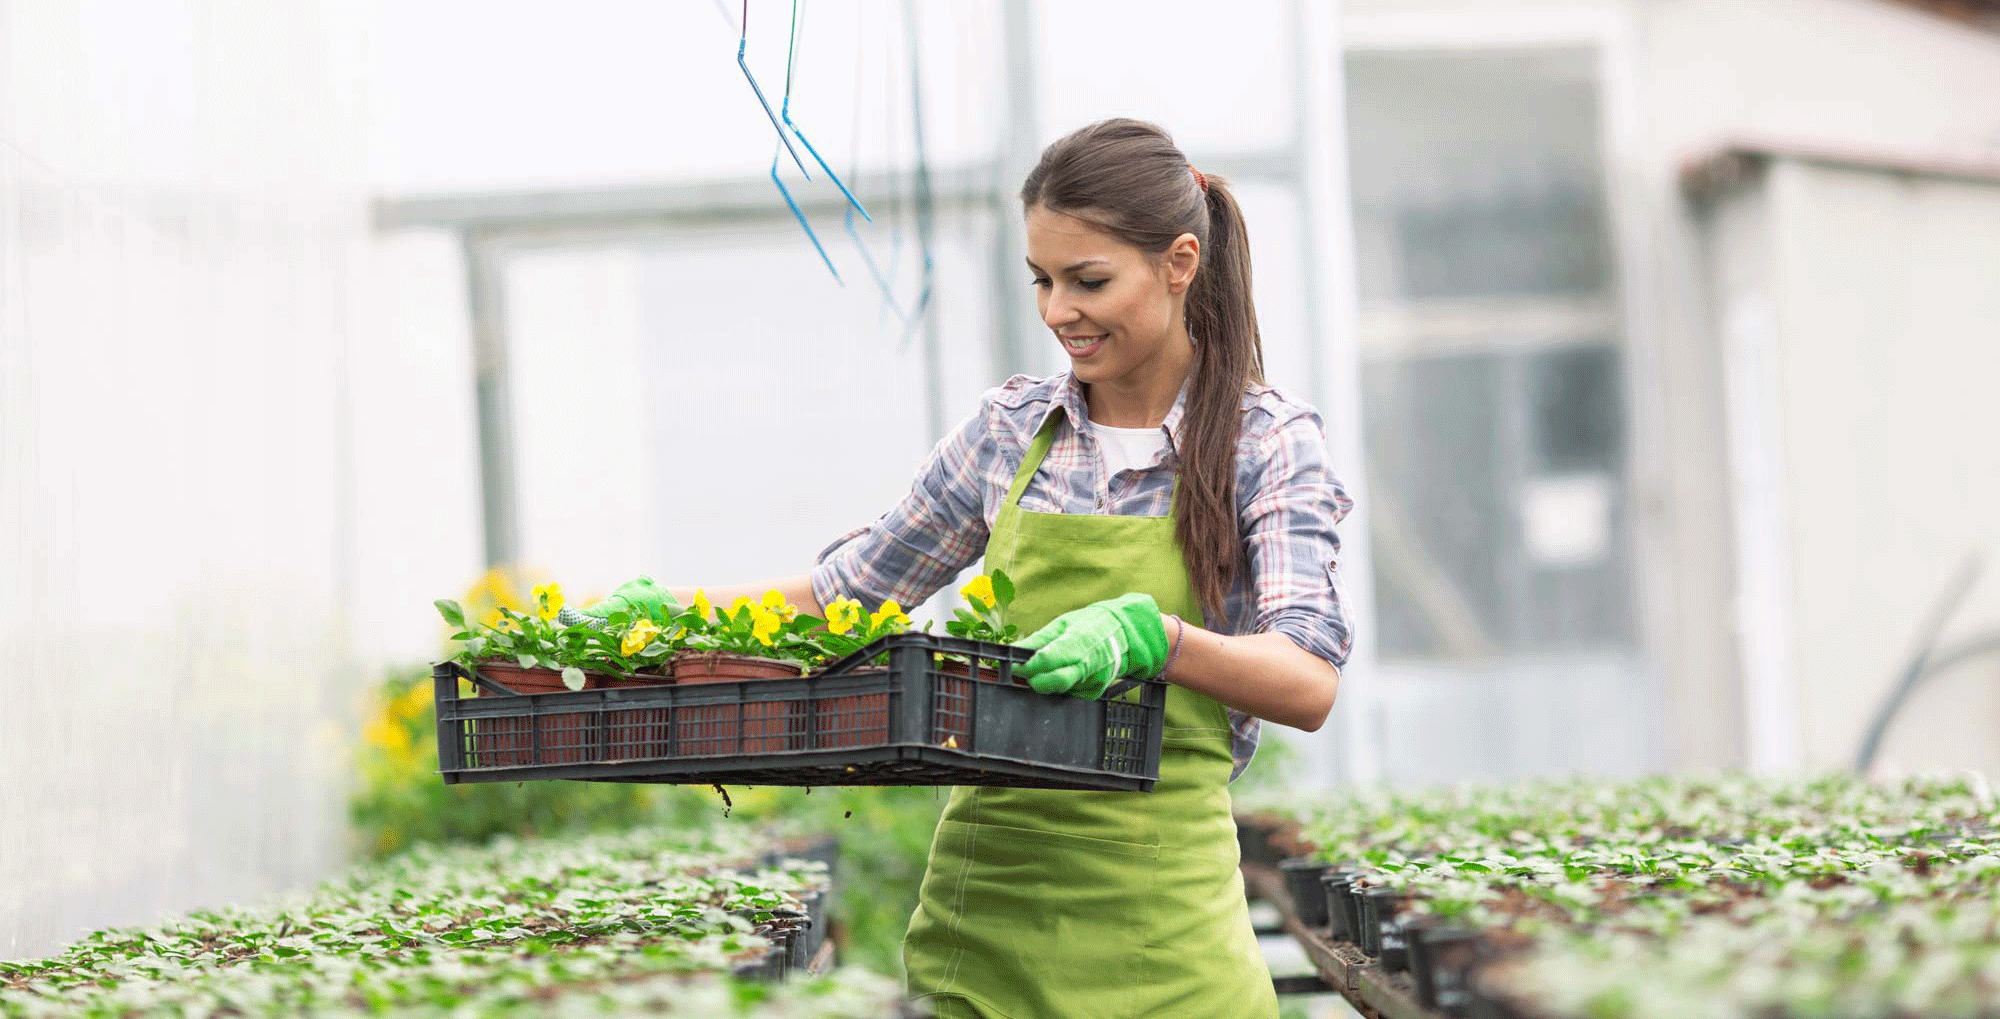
(635, 734)
(567, 737)
(851, 720)
(510, 742)
(747, 727)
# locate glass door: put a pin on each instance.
(1495, 416)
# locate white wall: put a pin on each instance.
(1887, 339)
(1855, 74)
(182, 226)
(1681, 78)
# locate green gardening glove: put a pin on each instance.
(1083, 652)
(640, 596)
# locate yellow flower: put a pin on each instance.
(416, 703)
(842, 615)
(764, 624)
(743, 603)
(775, 601)
(493, 591)
(386, 734)
(701, 606)
(979, 591)
(548, 600)
(890, 613)
(640, 635)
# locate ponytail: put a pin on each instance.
(1228, 358)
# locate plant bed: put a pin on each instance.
(645, 923)
(1666, 897)
(941, 728)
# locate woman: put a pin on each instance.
(1163, 512)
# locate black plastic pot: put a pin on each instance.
(794, 932)
(1348, 898)
(770, 969)
(1302, 884)
(1440, 957)
(1480, 1005)
(1253, 843)
(815, 905)
(1334, 885)
(1378, 906)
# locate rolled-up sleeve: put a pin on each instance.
(919, 546)
(1288, 521)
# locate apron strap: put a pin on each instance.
(1039, 449)
(1033, 461)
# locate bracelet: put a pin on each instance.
(1180, 630)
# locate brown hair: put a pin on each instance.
(1128, 178)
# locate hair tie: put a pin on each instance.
(1198, 178)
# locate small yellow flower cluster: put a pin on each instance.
(774, 601)
(979, 591)
(640, 635)
(890, 613)
(766, 617)
(548, 600)
(496, 589)
(843, 615)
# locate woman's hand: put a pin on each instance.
(1082, 652)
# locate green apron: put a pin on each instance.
(1059, 904)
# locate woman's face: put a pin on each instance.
(1114, 308)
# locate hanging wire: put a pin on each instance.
(801, 216)
(785, 111)
(854, 171)
(743, 44)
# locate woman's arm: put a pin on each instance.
(1261, 674)
(1288, 670)
(937, 529)
(797, 590)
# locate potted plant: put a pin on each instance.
(533, 653)
(857, 719)
(737, 645)
(982, 617)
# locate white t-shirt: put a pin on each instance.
(1128, 449)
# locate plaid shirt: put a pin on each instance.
(1287, 501)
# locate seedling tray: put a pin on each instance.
(892, 713)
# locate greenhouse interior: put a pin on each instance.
(1610, 626)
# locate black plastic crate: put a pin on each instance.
(893, 713)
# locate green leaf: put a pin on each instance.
(1003, 587)
(527, 661)
(573, 678)
(451, 612)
